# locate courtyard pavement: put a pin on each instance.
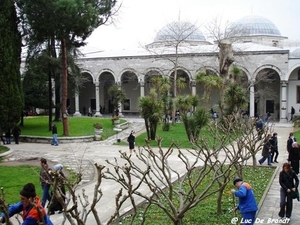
(82, 156)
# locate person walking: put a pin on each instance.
(55, 203)
(7, 136)
(30, 206)
(131, 141)
(292, 113)
(291, 139)
(274, 148)
(266, 152)
(294, 157)
(259, 128)
(16, 131)
(289, 182)
(1, 136)
(54, 135)
(247, 203)
(45, 181)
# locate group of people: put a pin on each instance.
(288, 178)
(46, 180)
(270, 150)
(247, 205)
(6, 139)
(31, 206)
(16, 131)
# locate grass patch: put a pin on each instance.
(12, 179)
(176, 133)
(205, 212)
(3, 149)
(12, 187)
(78, 126)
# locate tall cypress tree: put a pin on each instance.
(11, 104)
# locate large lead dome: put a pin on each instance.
(179, 30)
(255, 25)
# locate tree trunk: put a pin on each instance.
(64, 88)
(50, 88)
(219, 200)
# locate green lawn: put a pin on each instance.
(12, 179)
(78, 126)
(205, 212)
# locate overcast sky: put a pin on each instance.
(138, 21)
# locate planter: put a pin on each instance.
(98, 131)
(116, 121)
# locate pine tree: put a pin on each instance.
(10, 59)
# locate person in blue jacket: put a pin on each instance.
(247, 204)
(33, 212)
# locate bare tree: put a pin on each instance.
(175, 188)
(175, 36)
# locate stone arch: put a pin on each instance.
(267, 91)
(130, 84)
(211, 99)
(207, 69)
(105, 71)
(106, 79)
(294, 88)
(86, 93)
(150, 72)
(244, 70)
(184, 73)
(268, 66)
(292, 71)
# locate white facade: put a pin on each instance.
(258, 53)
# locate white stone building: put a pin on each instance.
(260, 52)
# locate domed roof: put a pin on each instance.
(296, 53)
(179, 30)
(255, 25)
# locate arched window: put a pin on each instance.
(299, 74)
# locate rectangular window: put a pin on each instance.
(126, 105)
(298, 94)
(270, 106)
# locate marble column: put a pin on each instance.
(142, 88)
(97, 100)
(252, 101)
(193, 88)
(77, 113)
(283, 110)
(120, 104)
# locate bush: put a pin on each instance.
(166, 127)
(98, 125)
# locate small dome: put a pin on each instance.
(254, 25)
(296, 53)
(179, 31)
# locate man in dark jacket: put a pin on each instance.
(274, 143)
(267, 151)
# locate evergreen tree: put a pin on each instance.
(10, 59)
(35, 82)
(70, 22)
